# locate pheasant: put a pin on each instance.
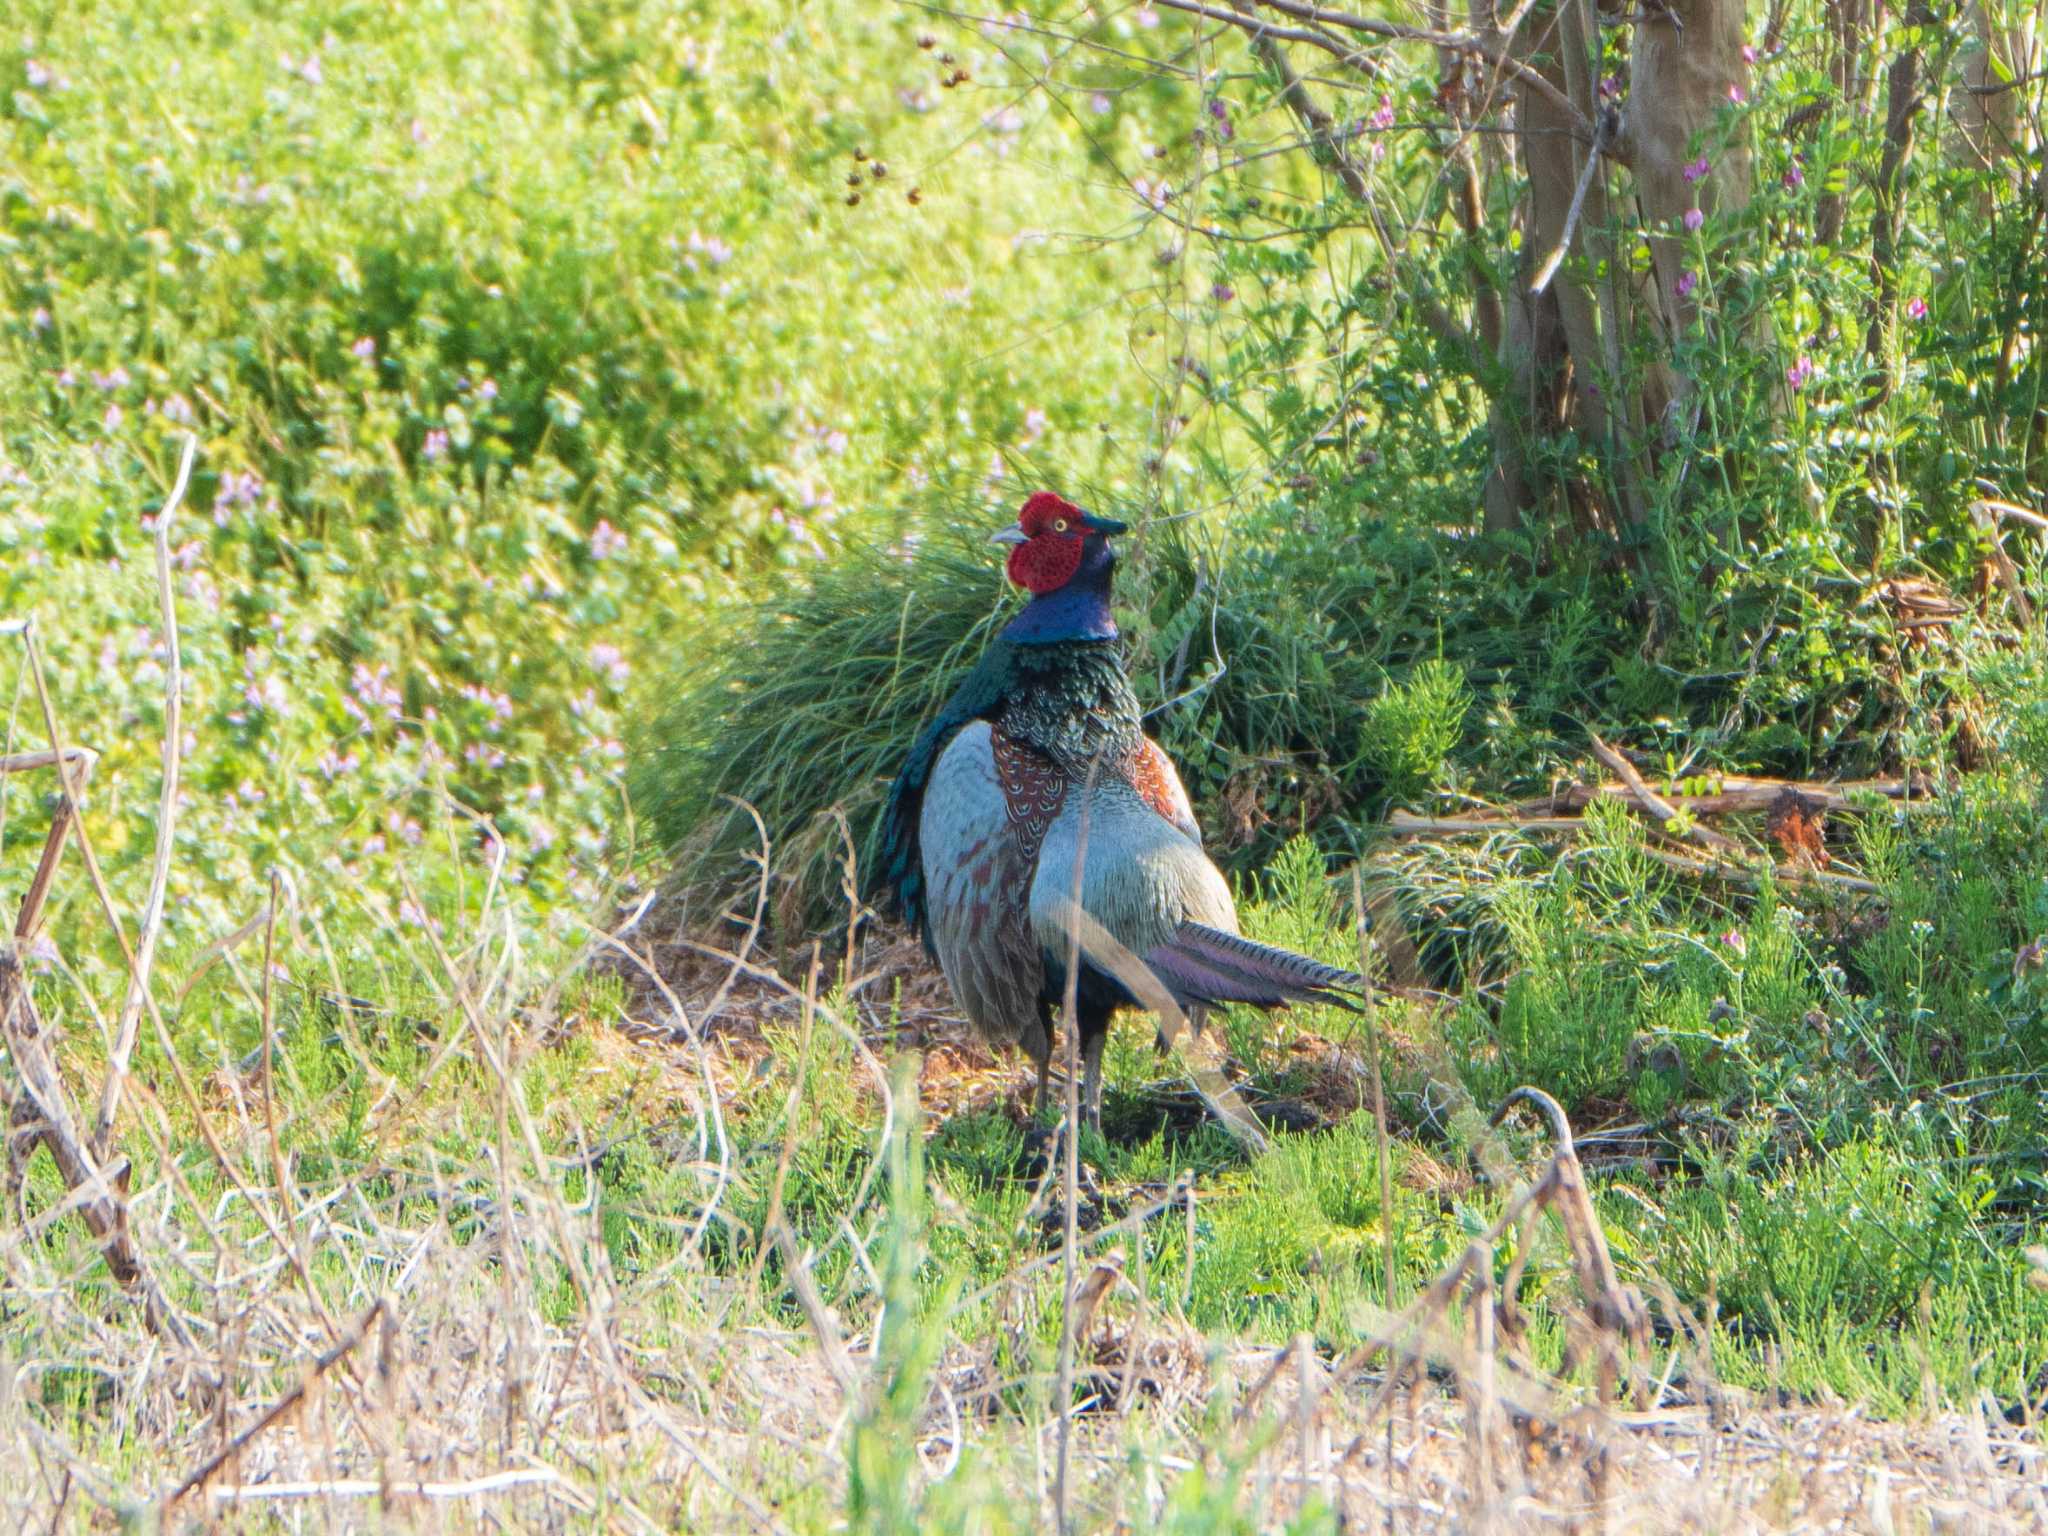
(1040, 762)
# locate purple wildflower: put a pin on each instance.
(40, 320)
(1383, 115)
(1610, 88)
(1687, 281)
(606, 541)
(435, 446)
(1748, 54)
(364, 348)
(1222, 293)
(1693, 220)
(609, 660)
(113, 417)
(38, 74)
(1698, 169)
(1916, 308)
(1800, 373)
(1734, 939)
(1099, 104)
(1794, 177)
(237, 489)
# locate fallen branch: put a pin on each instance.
(1738, 797)
(1662, 811)
(1405, 824)
(1785, 873)
(1410, 825)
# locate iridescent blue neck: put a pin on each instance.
(1077, 611)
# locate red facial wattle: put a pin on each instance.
(1046, 561)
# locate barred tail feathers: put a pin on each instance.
(1200, 964)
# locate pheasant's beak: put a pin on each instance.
(1007, 536)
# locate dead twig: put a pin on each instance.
(200, 1475)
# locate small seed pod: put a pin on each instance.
(878, 170)
(926, 41)
(860, 152)
(853, 178)
(914, 196)
(853, 199)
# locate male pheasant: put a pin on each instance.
(984, 826)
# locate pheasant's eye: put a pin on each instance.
(1059, 525)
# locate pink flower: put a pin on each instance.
(38, 74)
(40, 320)
(1697, 169)
(1734, 940)
(1916, 309)
(1748, 54)
(1383, 115)
(1800, 373)
(112, 420)
(1687, 281)
(1735, 95)
(1610, 88)
(435, 445)
(1222, 293)
(364, 348)
(1794, 177)
(606, 541)
(1099, 104)
(1693, 220)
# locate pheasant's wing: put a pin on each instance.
(1158, 785)
(894, 864)
(1149, 885)
(976, 865)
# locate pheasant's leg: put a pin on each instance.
(1091, 1079)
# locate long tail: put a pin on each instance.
(1200, 964)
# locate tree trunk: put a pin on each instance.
(1566, 346)
(1688, 66)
